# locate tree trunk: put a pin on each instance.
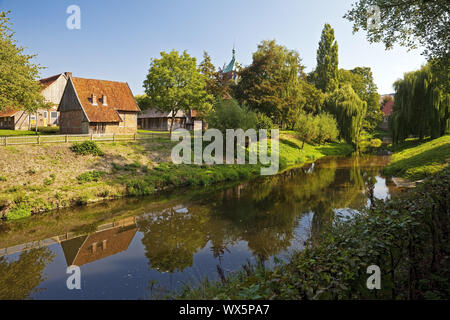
(303, 144)
(171, 123)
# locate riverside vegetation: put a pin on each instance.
(42, 178)
(406, 236)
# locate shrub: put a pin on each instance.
(3, 178)
(90, 176)
(20, 211)
(139, 187)
(48, 130)
(86, 148)
(263, 121)
(375, 143)
(227, 114)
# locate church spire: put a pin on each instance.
(230, 66)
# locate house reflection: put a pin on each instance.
(101, 244)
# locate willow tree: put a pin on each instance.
(349, 111)
(421, 106)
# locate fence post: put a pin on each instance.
(39, 139)
(135, 136)
(6, 142)
(67, 138)
(92, 136)
(114, 137)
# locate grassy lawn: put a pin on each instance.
(41, 131)
(414, 160)
(37, 178)
(153, 131)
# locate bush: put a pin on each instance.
(407, 237)
(263, 121)
(48, 130)
(20, 211)
(3, 179)
(90, 176)
(86, 148)
(139, 187)
(227, 114)
(375, 143)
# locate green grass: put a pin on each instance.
(41, 131)
(415, 161)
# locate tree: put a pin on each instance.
(361, 80)
(174, 83)
(143, 102)
(271, 83)
(228, 114)
(327, 128)
(18, 85)
(349, 111)
(407, 22)
(306, 128)
(421, 106)
(326, 75)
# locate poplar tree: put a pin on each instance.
(326, 75)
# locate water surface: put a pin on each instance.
(145, 248)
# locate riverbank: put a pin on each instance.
(36, 179)
(405, 236)
(415, 160)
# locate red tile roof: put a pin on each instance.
(8, 113)
(48, 81)
(118, 94)
(388, 108)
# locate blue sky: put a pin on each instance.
(118, 38)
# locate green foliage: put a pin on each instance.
(270, 85)
(218, 84)
(48, 130)
(263, 121)
(349, 111)
(143, 102)
(316, 129)
(421, 107)
(361, 81)
(17, 73)
(410, 23)
(91, 176)
(418, 162)
(3, 179)
(174, 83)
(227, 114)
(326, 75)
(19, 211)
(86, 148)
(405, 236)
(375, 143)
(50, 180)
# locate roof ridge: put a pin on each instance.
(99, 80)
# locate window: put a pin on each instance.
(45, 114)
(33, 117)
(54, 114)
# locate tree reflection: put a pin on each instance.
(19, 279)
(265, 213)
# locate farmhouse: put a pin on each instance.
(90, 106)
(52, 91)
(153, 119)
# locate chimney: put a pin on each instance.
(104, 100)
(94, 99)
(68, 74)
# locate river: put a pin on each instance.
(149, 247)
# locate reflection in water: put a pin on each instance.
(210, 228)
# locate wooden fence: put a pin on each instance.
(68, 138)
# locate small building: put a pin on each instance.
(387, 110)
(52, 91)
(155, 120)
(90, 106)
